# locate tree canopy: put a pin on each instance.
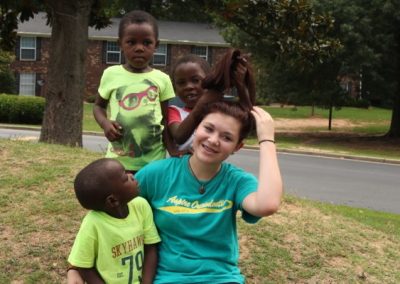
(303, 47)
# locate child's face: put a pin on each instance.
(187, 81)
(125, 186)
(216, 137)
(138, 44)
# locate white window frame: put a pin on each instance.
(24, 46)
(196, 50)
(27, 84)
(110, 50)
(161, 53)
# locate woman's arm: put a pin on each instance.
(266, 200)
(150, 263)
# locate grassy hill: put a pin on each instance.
(305, 242)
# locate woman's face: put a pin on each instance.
(216, 137)
(187, 82)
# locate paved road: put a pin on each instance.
(339, 181)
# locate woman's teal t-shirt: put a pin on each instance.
(198, 231)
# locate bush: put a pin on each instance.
(21, 109)
(7, 83)
(358, 103)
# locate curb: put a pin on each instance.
(331, 155)
(251, 147)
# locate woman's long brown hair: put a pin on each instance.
(221, 78)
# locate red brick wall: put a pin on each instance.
(95, 65)
(39, 67)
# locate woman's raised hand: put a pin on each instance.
(264, 124)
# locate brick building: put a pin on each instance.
(176, 39)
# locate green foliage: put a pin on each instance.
(284, 30)
(20, 109)
(296, 47)
(12, 12)
(368, 34)
(7, 83)
(7, 80)
(178, 10)
(292, 47)
(371, 40)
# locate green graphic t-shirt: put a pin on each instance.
(134, 100)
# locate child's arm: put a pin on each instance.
(150, 263)
(182, 131)
(73, 276)
(167, 137)
(112, 130)
(79, 275)
(91, 276)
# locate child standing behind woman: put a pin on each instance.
(197, 85)
(138, 96)
(187, 77)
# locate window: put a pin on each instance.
(28, 48)
(113, 53)
(27, 84)
(160, 56)
(201, 51)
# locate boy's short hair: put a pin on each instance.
(137, 17)
(94, 183)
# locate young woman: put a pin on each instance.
(195, 198)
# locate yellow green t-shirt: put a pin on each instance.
(115, 246)
(135, 103)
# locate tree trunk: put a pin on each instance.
(62, 121)
(394, 130)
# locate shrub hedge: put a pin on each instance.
(21, 109)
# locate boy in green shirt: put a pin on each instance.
(117, 237)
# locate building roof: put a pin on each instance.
(169, 32)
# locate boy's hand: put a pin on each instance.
(112, 130)
(73, 277)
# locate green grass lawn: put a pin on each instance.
(305, 242)
(376, 116)
(351, 113)
(89, 123)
